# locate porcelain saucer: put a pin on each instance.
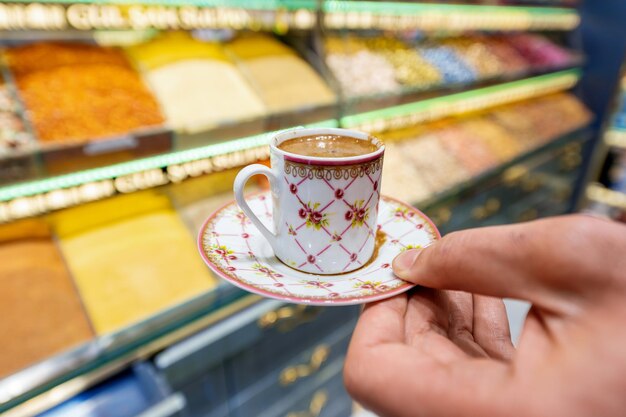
(235, 250)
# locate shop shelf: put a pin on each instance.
(397, 117)
(282, 15)
(48, 161)
(114, 351)
(406, 94)
(453, 194)
(342, 14)
(536, 181)
(96, 183)
(108, 354)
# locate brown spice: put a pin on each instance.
(45, 56)
(40, 309)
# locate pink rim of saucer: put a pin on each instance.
(303, 300)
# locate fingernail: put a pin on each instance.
(404, 262)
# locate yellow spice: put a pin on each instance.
(286, 82)
(130, 270)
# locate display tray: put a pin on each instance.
(71, 157)
(392, 117)
(150, 335)
(92, 154)
(356, 105)
(116, 350)
(59, 157)
(20, 166)
(461, 191)
(538, 186)
(54, 156)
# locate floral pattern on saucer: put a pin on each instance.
(234, 249)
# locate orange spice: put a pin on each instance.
(79, 92)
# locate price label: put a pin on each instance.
(111, 145)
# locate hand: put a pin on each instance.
(436, 352)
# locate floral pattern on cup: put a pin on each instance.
(338, 211)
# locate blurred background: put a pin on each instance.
(123, 123)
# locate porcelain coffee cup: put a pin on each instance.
(324, 208)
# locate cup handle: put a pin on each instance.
(240, 181)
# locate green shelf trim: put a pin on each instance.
(402, 8)
(263, 5)
(437, 102)
(388, 8)
(125, 168)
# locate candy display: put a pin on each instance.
(421, 162)
(75, 92)
(411, 69)
(129, 265)
(41, 312)
(284, 81)
(509, 58)
(197, 85)
(437, 166)
(200, 85)
(452, 68)
(359, 71)
(544, 118)
(13, 134)
(539, 51)
(477, 55)
(468, 148)
(405, 183)
(543, 112)
(522, 128)
(502, 144)
(435, 62)
(571, 109)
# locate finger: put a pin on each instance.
(535, 261)
(426, 311)
(381, 322)
(382, 371)
(491, 327)
(426, 326)
(461, 322)
(393, 380)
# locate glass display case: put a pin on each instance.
(123, 125)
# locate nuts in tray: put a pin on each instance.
(13, 134)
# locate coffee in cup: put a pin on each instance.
(328, 146)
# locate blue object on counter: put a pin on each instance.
(121, 396)
(453, 69)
